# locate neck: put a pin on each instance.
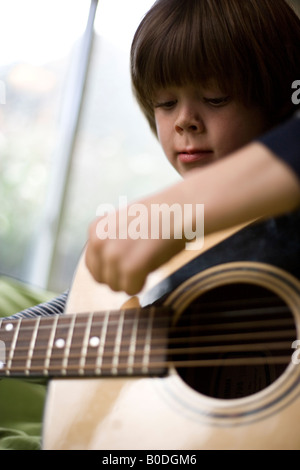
(93, 344)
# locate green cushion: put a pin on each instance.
(21, 401)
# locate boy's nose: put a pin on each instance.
(189, 121)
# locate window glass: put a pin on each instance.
(38, 41)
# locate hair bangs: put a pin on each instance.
(185, 49)
(180, 58)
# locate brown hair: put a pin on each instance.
(250, 47)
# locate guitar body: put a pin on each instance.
(169, 412)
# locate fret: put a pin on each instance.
(147, 348)
(2, 355)
(67, 345)
(2, 351)
(85, 344)
(9, 327)
(99, 361)
(31, 346)
(132, 345)
(117, 347)
(50, 345)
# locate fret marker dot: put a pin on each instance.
(59, 343)
(94, 341)
(9, 327)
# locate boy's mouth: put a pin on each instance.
(195, 156)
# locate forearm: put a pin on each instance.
(250, 184)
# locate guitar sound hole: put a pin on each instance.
(233, 341)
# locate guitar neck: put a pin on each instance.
(110, 343)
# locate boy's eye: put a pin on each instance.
(217, 102)
(165, 104)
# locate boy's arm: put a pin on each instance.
(250, 184)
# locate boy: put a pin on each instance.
(211, 76)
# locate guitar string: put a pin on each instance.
(41, 340)
(204, 328)
(175, 351)
(186, 351)
(152, 367)
(143, 321)
(210, 315)
(64, 321)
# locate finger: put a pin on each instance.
(93, 263)
(111, 274)
(132, 284)
(93, 254)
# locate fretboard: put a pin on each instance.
(109, 343)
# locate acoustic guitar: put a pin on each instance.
(205, 358)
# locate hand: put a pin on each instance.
(121, 251)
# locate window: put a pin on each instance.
(71, 134)
(34, 68)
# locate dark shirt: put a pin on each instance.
(284, 141)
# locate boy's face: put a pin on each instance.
(197, 126)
